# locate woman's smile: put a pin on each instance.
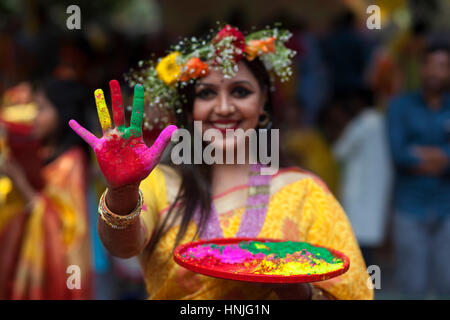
(224, 124)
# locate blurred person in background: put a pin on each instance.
(312, 78)
(395, 64)
(407, 50)
(44, 227)
(346, 54)
(419, 133)
(362, 150)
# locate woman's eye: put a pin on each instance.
(240, 92)
(205, 94)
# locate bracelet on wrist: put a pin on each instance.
(116, 221)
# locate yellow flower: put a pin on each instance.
(168, 70)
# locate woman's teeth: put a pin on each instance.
(229, 125)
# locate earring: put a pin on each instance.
(265, 119)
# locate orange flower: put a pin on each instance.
(193, 69)
(255, 48)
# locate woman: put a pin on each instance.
(44, 226)
(204, 201)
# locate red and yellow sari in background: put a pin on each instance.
(37, 246)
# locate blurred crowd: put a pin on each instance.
(368, 111)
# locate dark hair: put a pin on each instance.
(69, 99)
(195, 186)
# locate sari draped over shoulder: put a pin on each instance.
(301, 208)
(45, 252)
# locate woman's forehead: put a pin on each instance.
(216, 77)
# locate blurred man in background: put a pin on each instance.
(366, 174)
(419, 133)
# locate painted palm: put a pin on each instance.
(122, 155)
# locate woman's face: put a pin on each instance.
(234, 103)
(46, 121)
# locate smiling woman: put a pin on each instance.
(150, 207)
(229, 103)
(226, 113)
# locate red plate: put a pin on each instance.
(218, 273)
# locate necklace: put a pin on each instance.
(255, 209)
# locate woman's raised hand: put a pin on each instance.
(122, 155)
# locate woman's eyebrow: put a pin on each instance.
(206, 84)
(242, 82)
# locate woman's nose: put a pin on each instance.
(223, 106)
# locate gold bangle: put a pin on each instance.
(116, 221)
(119, 221)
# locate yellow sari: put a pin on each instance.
(301, 208)
(38, 246)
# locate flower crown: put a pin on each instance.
(192, 59)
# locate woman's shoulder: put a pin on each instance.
(165, 172)
(167, 178)
(171, 178)
(295, 177)
(163, 178)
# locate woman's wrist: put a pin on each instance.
(117, 221)
(122, 200)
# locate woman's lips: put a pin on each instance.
(223, 125)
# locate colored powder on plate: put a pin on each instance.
(270, 258)
(294, 268)
(281, 249)
(224, 254)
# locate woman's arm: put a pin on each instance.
(125, 160)
(17, 175)
(128, 242)
(402, 151)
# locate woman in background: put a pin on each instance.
(44, 234)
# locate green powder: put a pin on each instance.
(281, 249)
(216, 246)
